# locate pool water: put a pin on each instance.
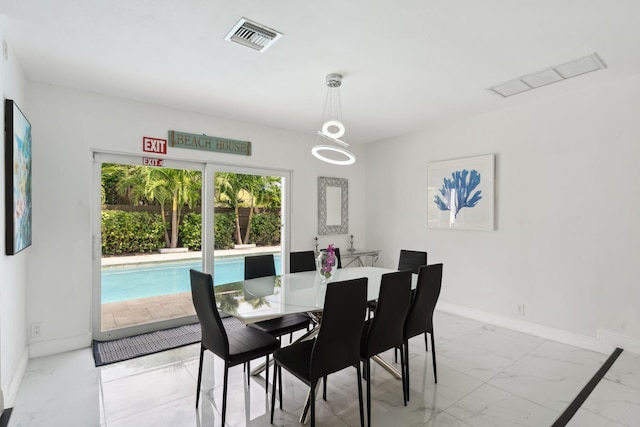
(150, 280)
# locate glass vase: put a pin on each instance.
(326, 265)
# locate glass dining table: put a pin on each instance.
(265, 298)
(269, 297)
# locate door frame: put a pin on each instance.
(208, 170)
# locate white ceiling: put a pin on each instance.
(407, 65)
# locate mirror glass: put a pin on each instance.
(333, 206)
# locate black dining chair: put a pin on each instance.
(263, 266)
(409, 260)
(386, 329)
(336, 347)
(259, 266)
(302, 261)
(234, 347)
(420, 316)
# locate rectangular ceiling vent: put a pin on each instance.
(253, 35)
(558, 73)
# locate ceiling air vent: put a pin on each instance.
(558, 73)
(253, 35)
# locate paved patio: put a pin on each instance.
(147, 310)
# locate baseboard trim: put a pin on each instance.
(626, 342)
(554, 334)
(47, 348)
(16, 380)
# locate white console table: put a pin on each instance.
(356, 256)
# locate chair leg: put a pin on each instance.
(224, 392)
(199, 376)
(273, 390)
(266, 376)
(367, 367)
(312, 399)
(426, 347)
(324, 388)
(248, 372)
(433, 356)
(280, 385)
(404, 385)
(360, 395)
(406, 367)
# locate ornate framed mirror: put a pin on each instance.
(333, 205)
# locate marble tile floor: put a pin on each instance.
(487, 376)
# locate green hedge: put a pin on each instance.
(135, 232)
(131, 232)
(265, 229)
(225, 229)
(191, 231)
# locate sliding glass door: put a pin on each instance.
(154, 223)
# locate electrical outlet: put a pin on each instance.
(521, 309)
(36, 329)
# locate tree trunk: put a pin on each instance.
(167, 241)
(174, 222)
(238, 234)
(247, 232)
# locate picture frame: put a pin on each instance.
(18, 206)
(461, 193)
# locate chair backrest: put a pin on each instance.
(336, 252)
(302, 261)
(386, 329)
(214, 336)
(338, 342)
(411, 260)
(420, 316)
(259, 266)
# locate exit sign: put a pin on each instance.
(148, 161)
(154, 145)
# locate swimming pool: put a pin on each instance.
(150, 280)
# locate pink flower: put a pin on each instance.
(328, 261)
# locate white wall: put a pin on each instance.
(568, 203)
(68, 124)
(13, 269)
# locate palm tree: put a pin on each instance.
(176, 187)
(237, 190)
(169, 188)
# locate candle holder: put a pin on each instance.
(351, 248)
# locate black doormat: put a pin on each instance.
(4, 419)
(106, 352)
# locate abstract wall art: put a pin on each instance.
(460, 193)
(17, 163)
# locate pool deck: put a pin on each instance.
(147, 310)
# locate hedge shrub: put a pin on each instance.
(265, 229)
(225, 228)
(191, 230)
(190, 233)
(135, 232)
(131, 232)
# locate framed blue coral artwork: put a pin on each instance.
(461, 193)
(17, 179)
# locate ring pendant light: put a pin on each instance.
(333, 128)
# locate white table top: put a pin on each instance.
(269, 297)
